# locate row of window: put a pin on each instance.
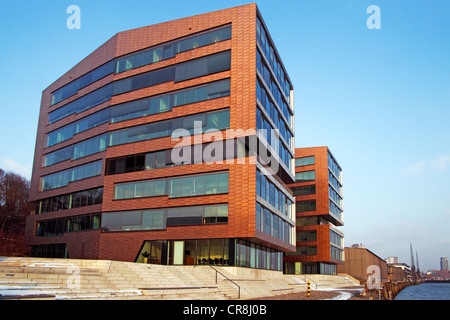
(56, 227)
(73, 87)
(274, 61)
(334, 168)
(336, 253)
(140, 108)
(304, 161)
(305, 190)
(265, 98)
(191, 69)
(210, 120)
(163, 159)
(183, 71)
(63, 178)
(305, 176)
(309, 235)
(335, 210)
(272, 224)
(170, 50)
(84, 103)
(70, 201)
(334, 182)
(336, 239)
(189, 186)
(57, 250)
(265, 128)
(304, 251)
(306, 205)
(251, 255)
(274, 114)
(335, 196)
(269, 192)
(160, 219)
(165, 103)
(67, 132)
(140, 59)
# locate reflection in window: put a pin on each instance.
(169, 50)
(70, 201)
(160, 219)
(207, 184)
(305, 161)
(305, 176)
(307, 205)
(133, 134)
(63, 178)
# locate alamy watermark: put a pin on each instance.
(216, 147)
(74, 20)
(374, 278)
(374, 20)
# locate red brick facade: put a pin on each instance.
(322, 209)
(241, 102)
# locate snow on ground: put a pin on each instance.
(343, 294)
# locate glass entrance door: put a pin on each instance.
(178, 252)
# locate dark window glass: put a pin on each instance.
(308, 205)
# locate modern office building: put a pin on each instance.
(163, 143)
(319, 213)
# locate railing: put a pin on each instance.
(310, 280)
(239, 288)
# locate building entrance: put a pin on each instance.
(188, 252)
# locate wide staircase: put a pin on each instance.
(61, 279)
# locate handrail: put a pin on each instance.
(310, 280)
(239, 288)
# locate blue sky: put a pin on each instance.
(380, 99)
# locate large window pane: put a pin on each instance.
(222, 182)
(211, 184)
(305, 176)
(187, 186)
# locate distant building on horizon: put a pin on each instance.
(391, 260)
(444, 263)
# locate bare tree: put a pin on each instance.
(14, 205)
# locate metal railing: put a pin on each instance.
(217, 271)
(309, 279)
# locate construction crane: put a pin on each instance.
(413, 267)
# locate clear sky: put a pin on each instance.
(378, 98)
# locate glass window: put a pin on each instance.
(305, 161)
(305, 176)
(149, 188)
(175, 188)
(150, 161)
(160, 188)
(298, 191)
(222, 182)
(211, 184)
(190, 216)
(187, 184)
(308, 205)
(267, 221)
(172, 217)
(158, 219)
(222, 214)
(210, 214)
(199, 185)
(258, 183)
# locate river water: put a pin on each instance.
(425, 291)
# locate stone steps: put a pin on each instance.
(36, 278)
